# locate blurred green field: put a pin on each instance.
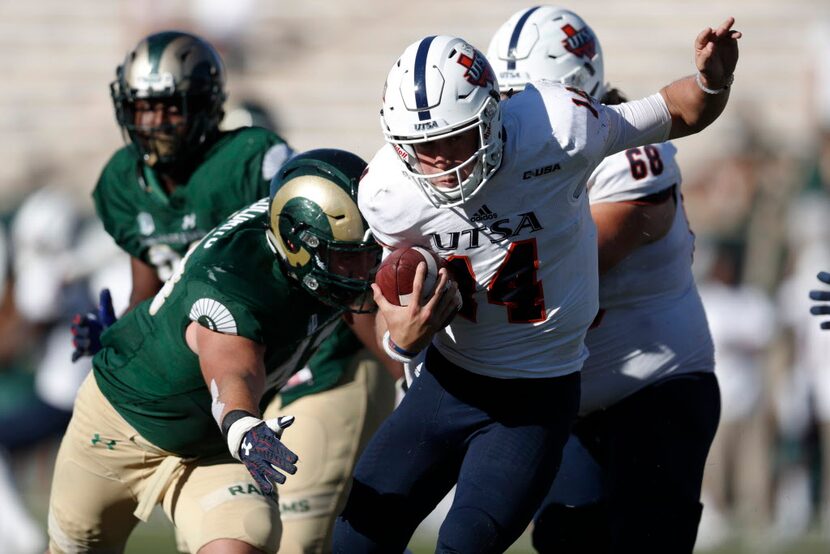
(156, 536)
(33, 471)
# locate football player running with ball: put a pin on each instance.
(650, 402)
(500, 190)
(174, 399)
(179, 177)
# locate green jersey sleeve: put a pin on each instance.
(115, 202)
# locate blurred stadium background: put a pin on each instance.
(756, 186)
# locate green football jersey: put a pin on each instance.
(231, 282)
(158, 228)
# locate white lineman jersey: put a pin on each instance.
(523, 250)
(653, 323)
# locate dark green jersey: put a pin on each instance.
(158, 228)
(231, 283)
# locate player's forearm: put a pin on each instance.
(235, 391)
(380, 329)
(692, 109)
(233, 368)
(145, 282)
(696, 101)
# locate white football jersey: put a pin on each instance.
(653, 324)
(523, 250)
(656, 272)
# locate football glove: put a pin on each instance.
(821, 296)
(256, 443)
(87, 328)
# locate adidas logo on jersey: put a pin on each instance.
(483, 214)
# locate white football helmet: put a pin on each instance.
(547, 42)
(442, 86)
(43, 234)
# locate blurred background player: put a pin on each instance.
(802, 389)
(498, 189)
(743, 320)
(179, 176)
(242, 314)
(821, 296)
(58, 256)
(650, 351)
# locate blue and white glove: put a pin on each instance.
(256, 443)
(821, 296)
(87, 328)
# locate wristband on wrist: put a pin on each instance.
(396, 352)
(234, 426)
(232, 417)
(729, 81)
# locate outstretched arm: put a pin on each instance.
(716, 55)
(234, 371)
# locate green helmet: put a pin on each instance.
(178, 69)
(317, 230)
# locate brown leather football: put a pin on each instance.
(397, 273)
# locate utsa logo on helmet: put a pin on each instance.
(478, 70)
(579, 42)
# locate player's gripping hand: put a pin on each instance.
(256, 443)
(413, 326)
(87, 328)
(821, 296)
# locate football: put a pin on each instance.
(397, 273)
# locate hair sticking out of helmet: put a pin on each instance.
(547, 42)
(168, 96)
(318, 232)
(441, 88)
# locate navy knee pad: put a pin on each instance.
(470, 529)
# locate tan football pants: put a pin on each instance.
(328, 435)
(105, 472)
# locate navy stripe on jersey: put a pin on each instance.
(421, 101)
(514, 38)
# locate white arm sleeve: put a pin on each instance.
(637, 123)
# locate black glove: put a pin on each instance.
(821, 296)
(87, 328)
(256, 443)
